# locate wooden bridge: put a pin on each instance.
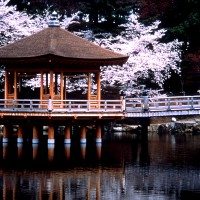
(124, 108)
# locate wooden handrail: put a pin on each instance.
(60, 105)
(163, 103)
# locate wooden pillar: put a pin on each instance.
(6, 85)
(89, 86)
(98, 133)
(15, 85)
(61, 86)
(20, 134)
(56, 84)
(83, 135)
(51, 139)
(51, 85)
(47, 90)
(98, 86)
(36, 134)
(67, 134)
(51, 142)
(41, 86)
(7, 131)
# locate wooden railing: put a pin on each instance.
(34, 105)
(174, 103)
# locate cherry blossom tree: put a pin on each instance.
(149, 58)
(15, 25)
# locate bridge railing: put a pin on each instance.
(162, 103)
(35, 105)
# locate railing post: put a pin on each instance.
(145, 103)
(31, 104)
(123, 104)
(168, 104)
(14, 103)
(105, 105)
(192, 103)
(70, 106)
(88, 105)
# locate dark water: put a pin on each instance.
(122, 167)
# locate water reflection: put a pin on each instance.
(165, 167)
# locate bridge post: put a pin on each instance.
(145, 103)
(145, 122)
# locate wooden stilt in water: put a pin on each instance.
(7, 131)
(67, 134)
(51, 142)
(36, 134)
(98, 133)
(20, 134)
(83, 135)
(51, 139)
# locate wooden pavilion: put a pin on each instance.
(52, 54)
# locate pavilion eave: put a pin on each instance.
(61, 62)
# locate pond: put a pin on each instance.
(122, 167)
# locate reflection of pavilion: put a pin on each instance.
(69, 185)
(53, 55)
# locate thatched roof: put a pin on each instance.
(57, 45)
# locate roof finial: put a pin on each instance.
(53, 20)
